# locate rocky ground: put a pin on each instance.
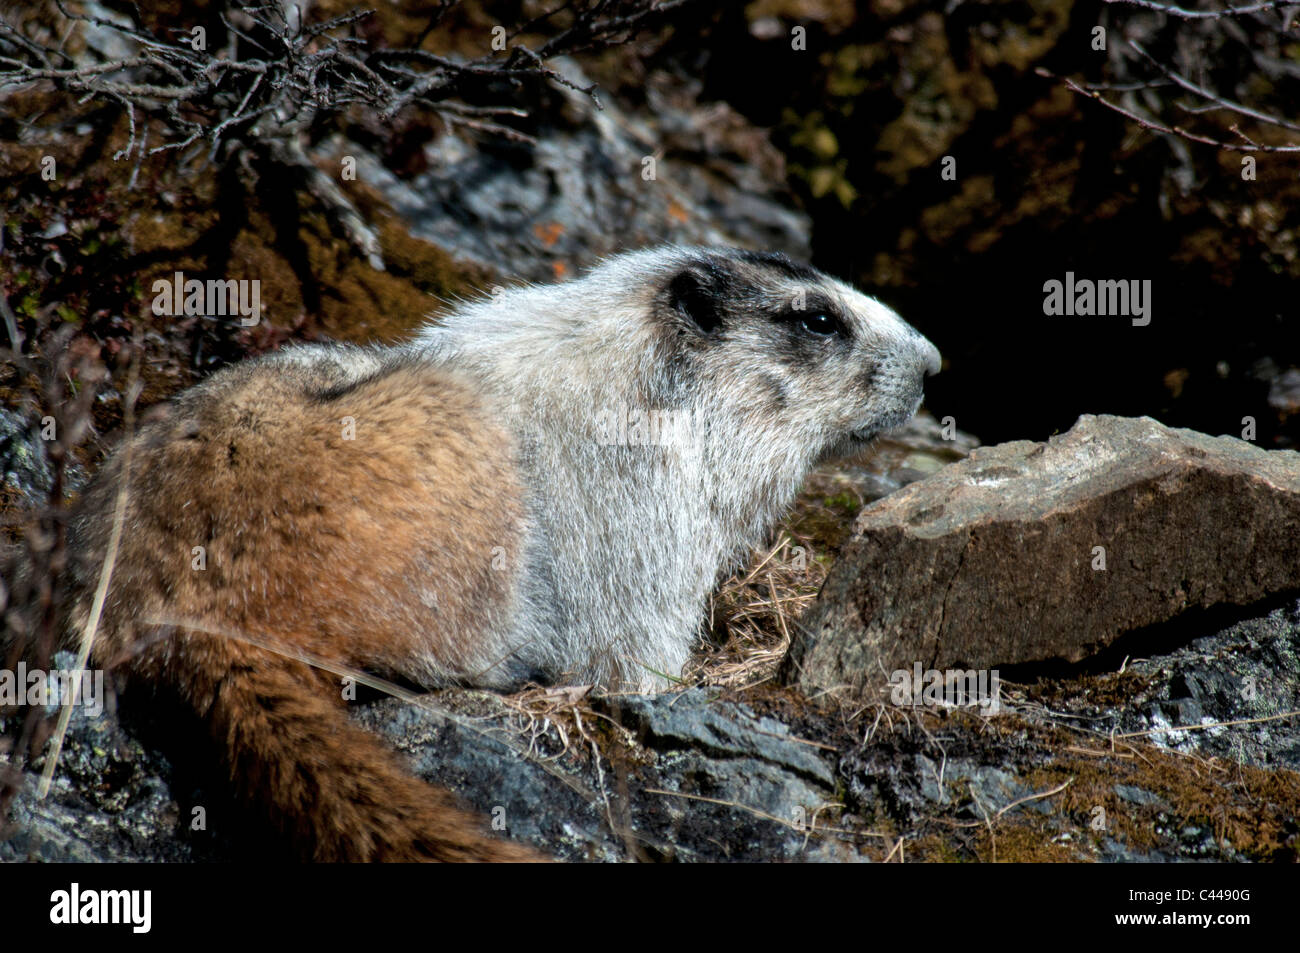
(1181, 742)
(1086, 767)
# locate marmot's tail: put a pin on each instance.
(330, 786)
(245, 511)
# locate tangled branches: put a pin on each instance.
(1219, 77)
(268, 73)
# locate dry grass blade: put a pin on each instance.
(756, 609)
(101, 590)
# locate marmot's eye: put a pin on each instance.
(819, 324)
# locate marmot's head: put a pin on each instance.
(790, 348)
(767, 349)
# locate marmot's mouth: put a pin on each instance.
(891, 420)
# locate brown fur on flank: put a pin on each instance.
(312, 543)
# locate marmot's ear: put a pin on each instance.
(696, 295)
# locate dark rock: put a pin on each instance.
(994, 560)
(1231, 690)
(696, 778)
(694, 721)
(700, 776)
(1136, 795)
(472, 744)
(26, 473)
(110, 800)
(906, 454)
(580, 194)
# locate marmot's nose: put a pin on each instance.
(927, 355)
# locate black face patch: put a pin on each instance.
(700, 293)
(717, 292)
(781, 264)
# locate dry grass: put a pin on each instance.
(752, 614)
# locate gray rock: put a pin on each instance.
(696, 778)
(901, 456)
(1246, 673)
(110, 800)
(991, 561)
(474, 744)
(1284, 392)
(1136, 795)
(579, 194)
(695, 722)
(24, 466)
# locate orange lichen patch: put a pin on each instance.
(548, 233)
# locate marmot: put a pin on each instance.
(542, 486)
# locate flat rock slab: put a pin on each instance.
(998, 559)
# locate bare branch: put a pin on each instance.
(1187, 74)
(276, 77)
(1214, 98)
(1155, 126)
(1184, 14)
